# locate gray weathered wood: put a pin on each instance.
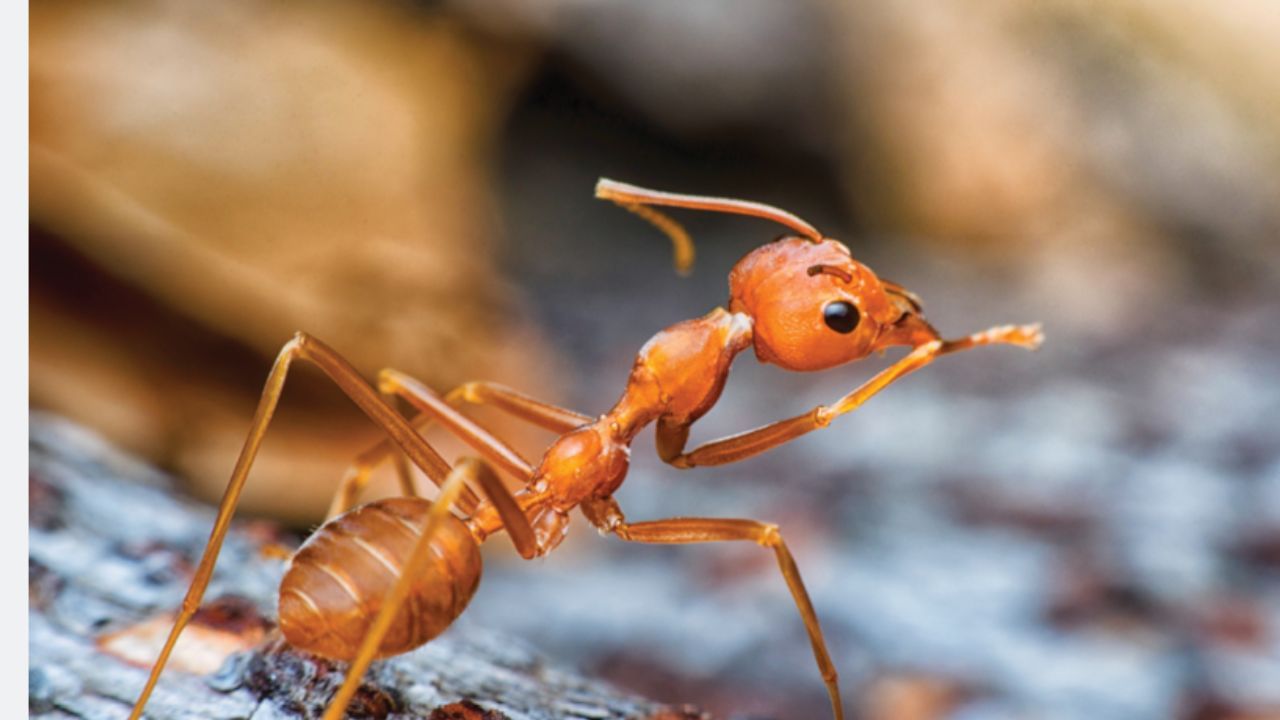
(112, 547)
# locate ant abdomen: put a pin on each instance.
(339, 577)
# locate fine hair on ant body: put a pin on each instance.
(385, 577)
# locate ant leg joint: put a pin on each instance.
(353, 481)
(189, 605)
(386, 381)
(823, 415)
(292, 347)
(770, 535)
(610, 524)
(471, 392)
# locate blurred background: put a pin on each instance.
(1091, 531)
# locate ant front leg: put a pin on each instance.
(428, 402)
(301, 347)
(607, 516)
(394, 383)
(671, 438)
(545, 415)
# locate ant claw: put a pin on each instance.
(1030, 336)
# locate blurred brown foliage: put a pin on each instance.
(1088, 145)
(209, 178)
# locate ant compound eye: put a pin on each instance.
(840, 316)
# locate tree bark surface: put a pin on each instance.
(112, 549)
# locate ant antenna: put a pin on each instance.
(683, 244)
(636, 199)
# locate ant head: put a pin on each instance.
(815, 307)
(812, 304)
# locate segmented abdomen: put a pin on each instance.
(338, 578)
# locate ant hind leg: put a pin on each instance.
(467, 470)
(393, 383)
(301, 347)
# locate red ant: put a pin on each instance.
(386, 577)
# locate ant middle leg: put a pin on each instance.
(430, 405)
(360, 471)
(606, 515)
(545, 415)
(429, 402)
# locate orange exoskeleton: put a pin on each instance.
(387, 576)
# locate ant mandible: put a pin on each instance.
(385, 577)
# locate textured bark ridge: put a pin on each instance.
(111, 553)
